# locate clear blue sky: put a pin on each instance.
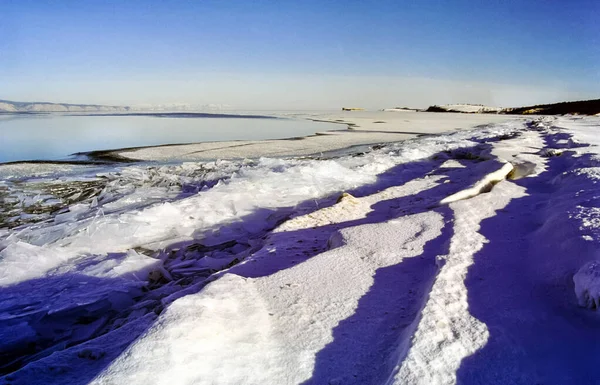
(302, 54)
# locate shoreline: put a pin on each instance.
(363, 128)
(116, 155)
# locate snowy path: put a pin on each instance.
(434, 269)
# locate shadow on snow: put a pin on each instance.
(75, 351)
(521, 286)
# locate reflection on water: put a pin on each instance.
(54, 137)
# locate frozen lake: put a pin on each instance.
(56, 137)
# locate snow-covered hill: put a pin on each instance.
(581, 107)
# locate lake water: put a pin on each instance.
(55, 137)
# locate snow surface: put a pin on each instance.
(438, 260)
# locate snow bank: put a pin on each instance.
(267, 330)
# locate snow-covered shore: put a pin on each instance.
(438, 260)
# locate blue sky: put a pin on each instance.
(304, 54)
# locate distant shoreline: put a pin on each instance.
(581, 107)
(179, 115)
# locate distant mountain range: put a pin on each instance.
(11, 106)
(34, 107)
